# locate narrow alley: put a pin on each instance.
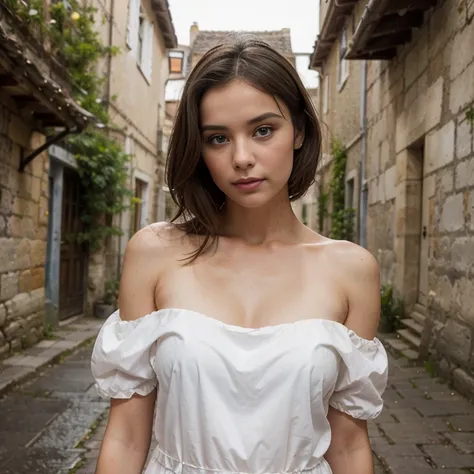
(54, 422)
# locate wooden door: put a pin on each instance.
(73, 255)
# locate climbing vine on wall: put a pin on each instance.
(101, 161)
(342, 218)
(322, 207)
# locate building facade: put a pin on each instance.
(45, 277)
(34, 96)
(135, 94)
(417, 164)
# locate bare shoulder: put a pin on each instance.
(353, 260)
(357, 275)
(150, 253)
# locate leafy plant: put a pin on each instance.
(342, 218)
(391, 311)
(102, 165)
(111, 292)
(322, 208)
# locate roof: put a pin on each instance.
(165, 22)
(37, 87)
(279, 40)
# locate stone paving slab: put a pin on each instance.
(42, 424)
(18, 368)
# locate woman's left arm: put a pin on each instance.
(350, 451)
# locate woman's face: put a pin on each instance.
(247, 143)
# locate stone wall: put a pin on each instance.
(23, 234)
(421, 182)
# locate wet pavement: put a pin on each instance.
(44, 420)
(55, 423)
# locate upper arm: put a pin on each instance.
(361, 281)
(360, 278)
(131, 419)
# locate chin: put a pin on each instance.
(253, 201)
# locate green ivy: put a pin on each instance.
(391, 311)
(342, 218)
(102, 164)
(322, 208)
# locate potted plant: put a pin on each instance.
(106, 305)
(391, 311)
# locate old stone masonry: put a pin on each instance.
(53, 423)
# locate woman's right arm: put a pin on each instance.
(128, 434)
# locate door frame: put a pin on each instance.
(59, 158)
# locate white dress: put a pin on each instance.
(240, 400)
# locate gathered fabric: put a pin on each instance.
(240, 400)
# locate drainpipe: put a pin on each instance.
(362, 182)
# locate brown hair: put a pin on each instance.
(246, 57)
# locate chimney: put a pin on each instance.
(193, 32)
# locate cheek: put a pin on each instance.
(215, 164)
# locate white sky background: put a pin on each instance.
(301, 16)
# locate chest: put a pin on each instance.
(205, 356)
(254, 289)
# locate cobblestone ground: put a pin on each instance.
(425, 427)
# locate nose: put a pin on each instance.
(242, 155)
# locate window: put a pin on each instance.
(343, 64)
(175, 62)
(140, 37)
(350, 193)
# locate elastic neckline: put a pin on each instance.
(260, 330)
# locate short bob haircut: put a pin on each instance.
(246, 57)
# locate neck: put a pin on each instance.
(275, 222)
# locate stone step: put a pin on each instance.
(413, 325)
(410, 337)
(419, 308)
(418, 317)
(401, 347)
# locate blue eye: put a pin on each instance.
(263, 131)
(217, 140)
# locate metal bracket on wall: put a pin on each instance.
(25, 160)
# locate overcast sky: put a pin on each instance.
(301, 16)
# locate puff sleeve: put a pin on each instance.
(122, 358)
(362, 378)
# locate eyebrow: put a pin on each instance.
(260, 118)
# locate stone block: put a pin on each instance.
(462, 90)
(464, 136)
(12, 331)
(37, 300)
(464, 383)
(463, 295)
(448, 457)
(455, 341)
(35, 188)
(8, 285)
(439, 150)
(18, 131)
(464, 54)
(462, 251)
(19, 306)
(465, 174)
(464, 442)
(452, 214)
(32, 279)
(38, 252)
(22, 227)
(470, 210)
(390, 183)
(6, 201)
(3, 315)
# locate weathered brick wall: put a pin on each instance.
(417, 105)
(23, 235)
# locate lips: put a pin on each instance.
(247, 180)
(248, 183)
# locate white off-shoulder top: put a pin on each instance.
(240, 400)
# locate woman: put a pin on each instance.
(251, 335)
